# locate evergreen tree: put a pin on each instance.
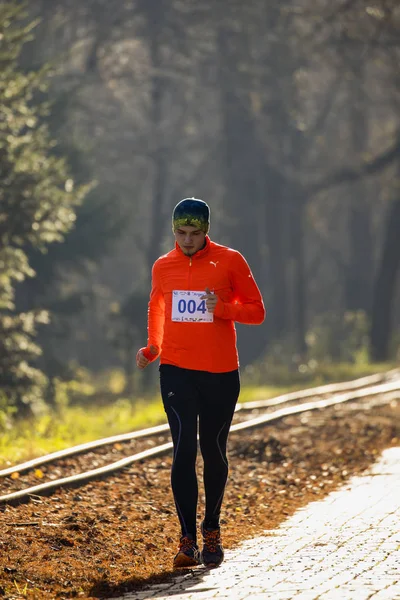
(37, 205)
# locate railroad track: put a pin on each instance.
(68, 468)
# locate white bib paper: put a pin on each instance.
(187, 307)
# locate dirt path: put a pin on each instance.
(108, 537)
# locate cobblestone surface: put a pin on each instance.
(345, 547)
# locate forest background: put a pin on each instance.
(284, 116)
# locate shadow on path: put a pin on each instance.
(167, 584)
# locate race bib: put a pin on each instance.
(187, 307)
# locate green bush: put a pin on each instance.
(339, 337)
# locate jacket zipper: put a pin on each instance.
(190, 272)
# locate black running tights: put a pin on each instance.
(208, 400)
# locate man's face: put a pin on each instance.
(189, 239)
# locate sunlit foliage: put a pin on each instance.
(37, 205)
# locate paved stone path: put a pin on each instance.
(345, 547)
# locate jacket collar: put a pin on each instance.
(199, 253)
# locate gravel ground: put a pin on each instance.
(111, 536)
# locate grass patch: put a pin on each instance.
(251, 393)
(308, 374)
(72, 425)
(85, 413)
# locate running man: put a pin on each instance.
(199, 289)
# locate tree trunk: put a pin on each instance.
(299, 276)
(277, 236)
(244, 169)
(159, 88)
(385, 287)
(358, 276)
(358, 279)
(243, 157)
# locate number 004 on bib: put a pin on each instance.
(187, 307)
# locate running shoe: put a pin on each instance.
(212, 554)
(188, 553)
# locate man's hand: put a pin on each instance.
(211, 300)
(141, 360)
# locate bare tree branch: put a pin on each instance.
(349, 175)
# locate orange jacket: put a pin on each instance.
(204, 346)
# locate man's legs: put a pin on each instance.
(219, 394)
(180, 400)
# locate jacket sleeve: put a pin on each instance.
(247, 305)
(155, 315)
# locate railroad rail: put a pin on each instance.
(385, 386)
